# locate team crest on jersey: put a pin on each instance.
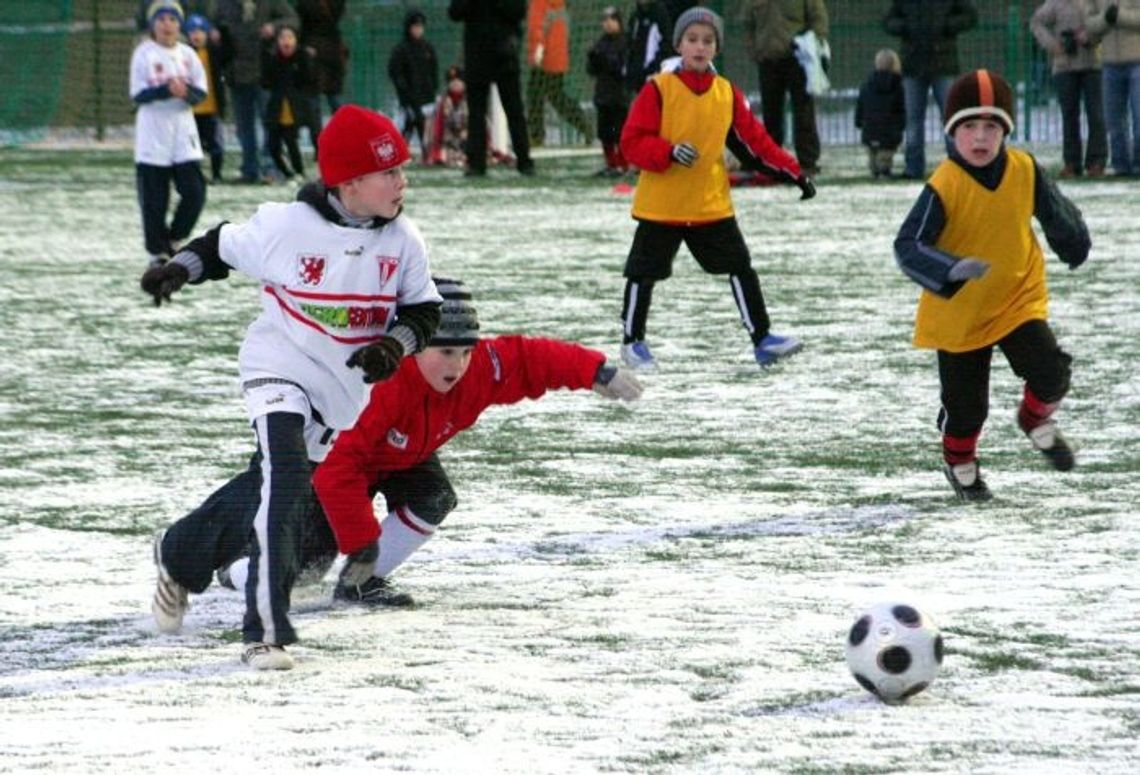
(310, 270)
(397, 439)
(385, 149)
(388, 267)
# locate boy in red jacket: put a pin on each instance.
(433, 396)
(677, 131)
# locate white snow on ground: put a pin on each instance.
(662, 587)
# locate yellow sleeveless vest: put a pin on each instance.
(697, 194)
(993, 226)
(208, 106)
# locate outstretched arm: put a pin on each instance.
(1064, 228)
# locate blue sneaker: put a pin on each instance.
(774, 347)
(636, 355)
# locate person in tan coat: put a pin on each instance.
(1115, 24)
(770, 28)
(1059, 27)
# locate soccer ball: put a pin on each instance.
(894, 651)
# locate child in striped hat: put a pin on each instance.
(969, 243)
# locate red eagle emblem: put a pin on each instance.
(311, 270)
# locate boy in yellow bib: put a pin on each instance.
(676, 133)
(969, 243)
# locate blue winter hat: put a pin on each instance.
(163, 6)
(196, 21)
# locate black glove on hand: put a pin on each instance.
(1111, 13)
(161, 281)
(360, 566)
(684, 154)
(379, 359)
(1076, 260)
(807, 188)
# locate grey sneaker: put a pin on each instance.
(267, 656)
(171, 600)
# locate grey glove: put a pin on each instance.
(684, 154)
(361, 565)
(612, 382)
(967, 269)
(379, 360)
(161, 281)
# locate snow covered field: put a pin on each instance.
(662, 587)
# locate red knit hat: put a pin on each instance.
(980, 93)
(356, 142)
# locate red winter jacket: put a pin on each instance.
(406, 421)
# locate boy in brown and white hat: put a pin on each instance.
(969, 243)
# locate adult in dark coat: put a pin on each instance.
(320, 34)
(928, 30)
(650, 31)
(492, 34)
(413, 68)
(249, 26)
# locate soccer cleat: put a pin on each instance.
(267, 656)
(966, 479)
(170, 599)
(1047, 440)
(637, 356)
(375, 592)
(773, 347)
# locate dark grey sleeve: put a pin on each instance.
(202, 259)
(914, 246)
(1064, 227)
(415, 324)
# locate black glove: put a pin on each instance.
(1069, 42)
(807, 188)
(360, 566)
(684, 154)
(379, 359)
(1078, 259)
(1110, 14)
(161, 281)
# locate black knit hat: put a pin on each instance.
(458, 321)
(980, 93)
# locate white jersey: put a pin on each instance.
(165, 132)
(327, 290)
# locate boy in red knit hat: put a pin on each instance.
(969, 243)
(346, 293)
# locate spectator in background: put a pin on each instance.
(414, 70)
(881, 112)
(449, 122)
(1116, 25)
(249, 26)
(605, 62)
(491, 39)
(650, 31)
(770, 26)
(208, 113)
(288, 74)
(201, 7)
(1059, 26)
(929, 31)
(548, 55)
(320, 34)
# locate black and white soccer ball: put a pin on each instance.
(894, 651)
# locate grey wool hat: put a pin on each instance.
(458, 320)
(698, 14)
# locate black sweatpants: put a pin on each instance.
(785, 76)
(1033, 354)
(718, 247)
(478, 98)
(153, 185)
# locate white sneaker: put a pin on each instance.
(171, 600)
(637, 356)
(267, 656)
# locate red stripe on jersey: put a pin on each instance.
(339, 296)
(317, 326)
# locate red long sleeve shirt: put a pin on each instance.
(406, 420)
